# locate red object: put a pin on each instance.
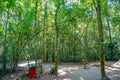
(32, 73)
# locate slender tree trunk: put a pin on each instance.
(74, 53)
(85, 46)
(44, 31)
(69, 48)
(5, 42)
(67, 56)
(15, 52)
(47, 54)
(35, 24)
(100, 29)
(57, 42)
(53, 54)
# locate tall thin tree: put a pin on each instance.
(35, 24)
(57, 40)
(100, 29)
(5, 41)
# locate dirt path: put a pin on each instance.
(70, 71)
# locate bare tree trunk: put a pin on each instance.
(57, 42)
(85, 46)
(44, 25)
(47, 54)
(74, 51)
(53, 54)
(15, 53)
(5, 42)
(100, 29)
(35, 24)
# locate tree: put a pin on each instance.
(57, 40)
(101, 44)
(5, 42)
(35, 25)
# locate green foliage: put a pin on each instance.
(52, 70)
(115, 48)
(77, 29)
(27, 22)
(6, 4)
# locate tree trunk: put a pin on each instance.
(69, 47)
(35, 24)
(53, 53)
(44, 31)
(57, 43)
(73, 44)
(85, 46)
(5, 42)
(100, 29)
(47, 54)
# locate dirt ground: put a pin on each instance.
(67, 71)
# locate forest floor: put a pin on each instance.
(67, 71)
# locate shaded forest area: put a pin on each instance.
(59, 31)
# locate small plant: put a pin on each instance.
(41, 68)
(52, 70)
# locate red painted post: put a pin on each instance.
(32, 72)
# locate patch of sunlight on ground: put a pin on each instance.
(62, 73)
(71, 68)
(26, 64)
(117, 64)
(67, 79)
(116, 75)
(108, 70)
(81, 78)
(113, 69)
(113, 76)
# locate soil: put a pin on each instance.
(67, 71)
